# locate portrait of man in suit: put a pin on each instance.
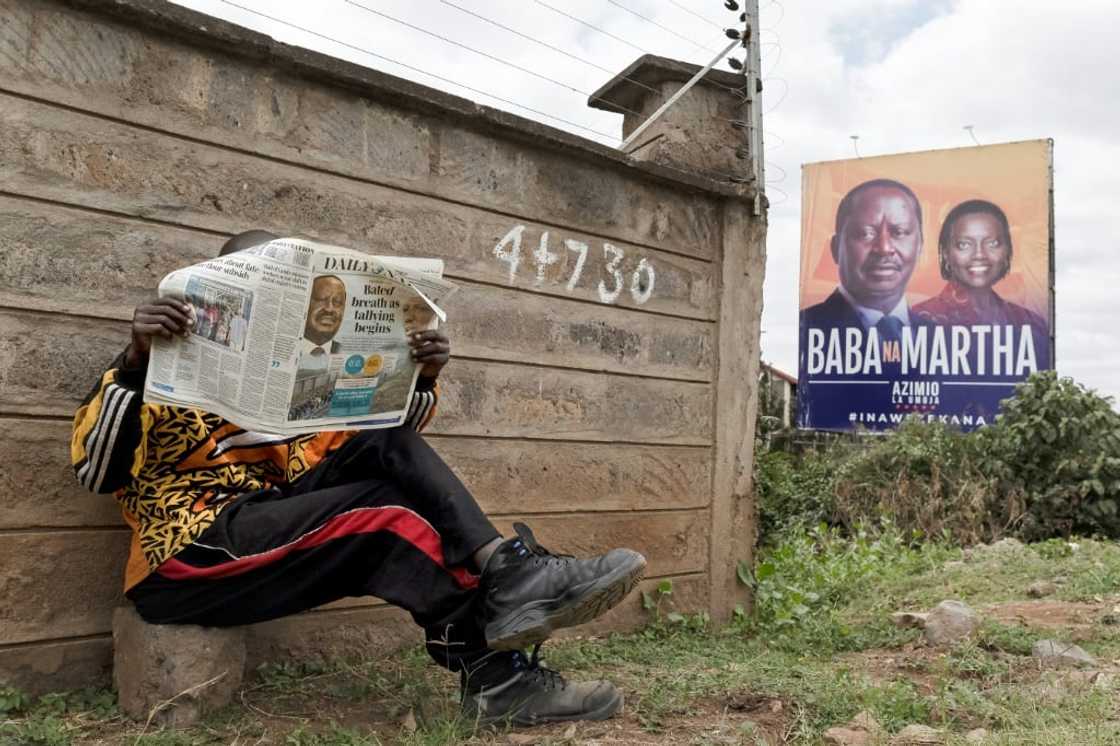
(876, 245)
(324, 317)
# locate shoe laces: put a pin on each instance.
(534, 668)
(540, 554)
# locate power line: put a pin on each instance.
(419, 70)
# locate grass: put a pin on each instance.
(818, 650)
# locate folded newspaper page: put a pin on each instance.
(295, 337)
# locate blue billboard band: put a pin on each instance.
(851, 377)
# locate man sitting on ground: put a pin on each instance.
(234, 527)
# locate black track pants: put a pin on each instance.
(383, 516)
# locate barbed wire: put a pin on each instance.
(419, 70)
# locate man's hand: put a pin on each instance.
(164, 317)
(430, 350)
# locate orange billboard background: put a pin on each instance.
(1015, 176)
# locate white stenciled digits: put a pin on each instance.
(544, 257)
(508, 250)
(641, 289)
(614, 273)
(581, 247)
(616, 256)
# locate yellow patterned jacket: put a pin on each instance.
(173, 469)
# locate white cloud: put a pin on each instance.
(903, 74)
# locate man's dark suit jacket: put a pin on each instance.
(829, 406)
(834, 312)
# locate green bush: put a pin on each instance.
(925, 477)
(1048, 466)
(794, 490)
(1055, 456)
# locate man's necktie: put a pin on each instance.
(890, 329)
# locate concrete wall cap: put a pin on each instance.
(624, 91)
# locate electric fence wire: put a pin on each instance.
(577, 58)
(785, 92)
(782, 192)
(590, 26)
(739, 123)
(649, 20)
(481, 53)
(781, 178)
(630, 44)
(781, 18)
(413, 68)
(572, 56)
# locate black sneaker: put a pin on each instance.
(534, 695)
(528, 592)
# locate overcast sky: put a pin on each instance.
(902, 74)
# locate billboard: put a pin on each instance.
(926, 285)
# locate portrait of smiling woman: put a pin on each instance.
(974, 251)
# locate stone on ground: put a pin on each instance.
(862, 730)
(173, 674)
(918, 735)
(976, 736)
(1041, 588)
(1054, 653)
(949, 622)
(906, 619)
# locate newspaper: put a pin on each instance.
(294, 337)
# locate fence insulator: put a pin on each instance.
(731, 5)
(733, 33)
(734, 63)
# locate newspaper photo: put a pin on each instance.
(294, 337)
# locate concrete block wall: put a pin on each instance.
(601, 401)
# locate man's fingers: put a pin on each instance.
(429, 352)
(148, 323)
(153, 330)
(427, 347)
(173, 309)
(428, 335)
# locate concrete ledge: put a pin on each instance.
(171, 675)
